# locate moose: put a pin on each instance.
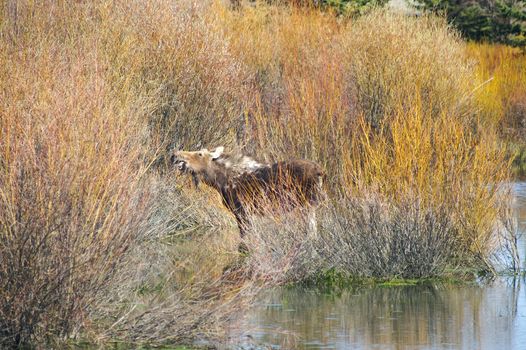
(249, 187)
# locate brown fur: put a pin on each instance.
(247, 186)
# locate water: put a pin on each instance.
(476, 316)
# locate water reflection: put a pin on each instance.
(488, 316)
(408, 317)
(519, 206)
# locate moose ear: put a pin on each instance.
(217, 152)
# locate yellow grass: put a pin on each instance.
(503, 96)
(386, 103)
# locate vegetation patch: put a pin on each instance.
(101, 239)
(330, 281)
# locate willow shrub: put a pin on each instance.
(502, 98)
(388, 104)
(70, 200)
(91, 94)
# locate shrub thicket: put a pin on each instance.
(94, 93)
(502, 98)
(91, 95)
(388, 109)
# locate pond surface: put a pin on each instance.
(478, 316)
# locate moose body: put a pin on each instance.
(248, 187)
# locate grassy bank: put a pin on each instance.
(101, 240)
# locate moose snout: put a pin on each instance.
(175, 159)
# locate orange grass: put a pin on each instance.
(85, 92)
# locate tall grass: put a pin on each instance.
(93, 94)
(69, 181)
(174, 286)
(502, 98)
(503, 70)
(386, 103)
